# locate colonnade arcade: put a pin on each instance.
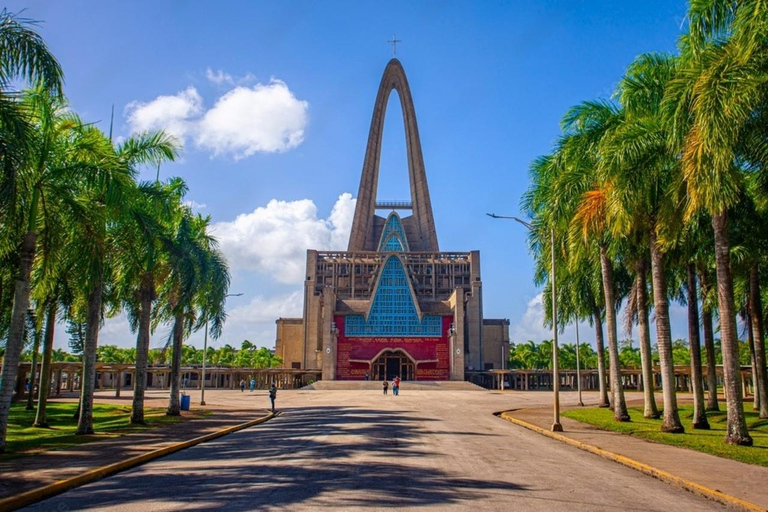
(65, 377)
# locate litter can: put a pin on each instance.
(184, 402)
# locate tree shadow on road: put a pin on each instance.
(305, 457)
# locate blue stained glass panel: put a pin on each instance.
(393, 245)
(393, 227)
(393, 312)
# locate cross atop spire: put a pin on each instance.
(394, 42)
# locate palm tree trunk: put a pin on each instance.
(736, 425)
(600, 343)
(751, 344)
(649, 399)
(756, 305)
(142, 350)
(45, 369)
(33, 377)
(694, 342)
(709, 346)
(174, 406)
(619, 405)
(93, 321)
(15, 332)
(671, 422)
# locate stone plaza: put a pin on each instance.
(357, 449)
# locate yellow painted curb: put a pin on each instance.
(27, 498)
(701, 490)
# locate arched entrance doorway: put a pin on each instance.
(391, 364)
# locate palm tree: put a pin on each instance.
(33, 333)
(23, 55)
(710, 106)
(587, 124)
(643, 326)
(57, 161)
(138, 236)
(709, 336)
(195, 289)
(558, 183)
(641, 174)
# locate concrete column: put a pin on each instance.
(329, 334)
(457, 342)
(118, 383)
(58, 382)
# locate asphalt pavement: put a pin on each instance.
(352, 450)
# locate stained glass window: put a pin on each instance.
(393, 312)
(393, 228)
(393, 244)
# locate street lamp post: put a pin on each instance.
(556, 425)
(205, 352)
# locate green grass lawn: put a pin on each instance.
(108, 421)
(708, 441)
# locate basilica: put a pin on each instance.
(393, 304)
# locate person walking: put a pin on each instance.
(396, 386)
(242, 385)
(253, 384)
(385, 385)
(273, 395)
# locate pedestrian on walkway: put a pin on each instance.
(242, 385)
(385, 386)
(273, 395)
(396, 386)
(253, 384)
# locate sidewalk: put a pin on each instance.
(737, 479)
(29, 472)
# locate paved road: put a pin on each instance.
(344, 450)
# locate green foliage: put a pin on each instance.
(707, 441)
(248, 356)
(110, 420)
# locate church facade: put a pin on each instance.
(393, 304)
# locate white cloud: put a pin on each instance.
(274, 239)
(174, 114)
(194, 205)
(263, 309)
(246, 120)
(264, 118)
(218, 77)
(531, 325)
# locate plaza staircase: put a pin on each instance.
(374, 385)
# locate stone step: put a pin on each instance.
(361, 385)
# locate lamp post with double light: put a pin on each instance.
(205, 352)
(556, 425)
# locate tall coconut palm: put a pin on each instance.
(33, 333)
(138, 255)
(709, 105)
(557, 185)
(586, 124)
(23, 55)
(194, 291)
(643, 193)
(61, 154)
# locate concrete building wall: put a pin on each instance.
(496, 343)
(474, 316)
(288, 344)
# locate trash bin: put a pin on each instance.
(184, 402)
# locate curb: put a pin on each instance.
(41, 493)
(698, 489)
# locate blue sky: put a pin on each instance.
(274, 101)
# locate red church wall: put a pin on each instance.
(420, 349)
